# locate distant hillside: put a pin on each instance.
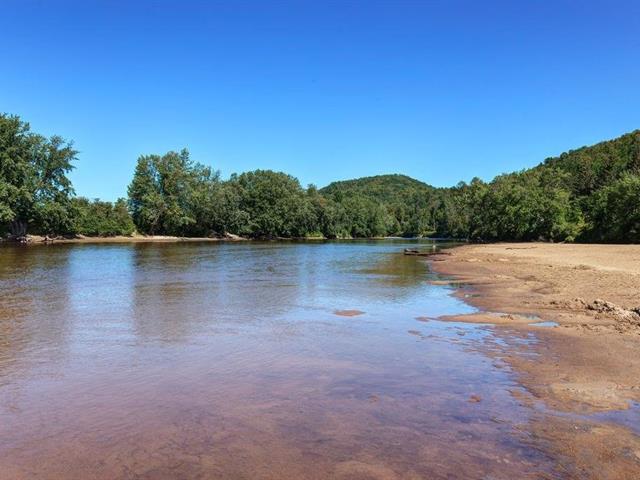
(588, 169)
(588, 194)
(408, 205)
(591, 168)
(591, 194)
(380, 187)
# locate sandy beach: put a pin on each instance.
(588, 365)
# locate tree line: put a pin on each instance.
(589, 194)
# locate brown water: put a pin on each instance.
(236, 361)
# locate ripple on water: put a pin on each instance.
(230, 361)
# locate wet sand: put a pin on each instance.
(587, 363)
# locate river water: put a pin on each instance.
(239, 361)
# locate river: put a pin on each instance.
(309, 360)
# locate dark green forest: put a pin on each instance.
(591, 194)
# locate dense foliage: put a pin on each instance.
(171, 194)
(614, 211)
(529, 205)
(588, 194)
(101, 219)
(603, 181)
(385, 205)
(34, 189)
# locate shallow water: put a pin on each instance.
(229, 361)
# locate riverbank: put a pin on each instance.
(137, 238)
(38, 239)
(588, 364)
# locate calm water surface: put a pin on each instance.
(202, 361)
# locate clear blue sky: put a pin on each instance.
(442, 91)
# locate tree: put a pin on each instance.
(146, 202)
(530, 205)
(614, 211)
(103, 219)
(169, 193)
(275, 203)
(34, 188)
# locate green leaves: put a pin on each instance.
(592, 193)
(383, 205)
(614, 211)
(101, 219)
(34, 188)
(275, 204)
(167, 192)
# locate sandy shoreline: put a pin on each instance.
(589, 362)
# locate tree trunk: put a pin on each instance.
(18, 229)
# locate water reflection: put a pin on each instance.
(227, 361)
(33, 311)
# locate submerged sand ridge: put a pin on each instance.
(590, 362)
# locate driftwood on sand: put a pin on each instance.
(416, 252)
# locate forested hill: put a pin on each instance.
(408, 205)
(604, 184)
(591, 168)
(379, 187)
(588, 194)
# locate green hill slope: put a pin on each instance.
(588, 194)
(591, 168)
(380, 187)
(407, 204)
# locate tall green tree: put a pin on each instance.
(614, 212)
(169, 194)
(275, 204)
(35, 191)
